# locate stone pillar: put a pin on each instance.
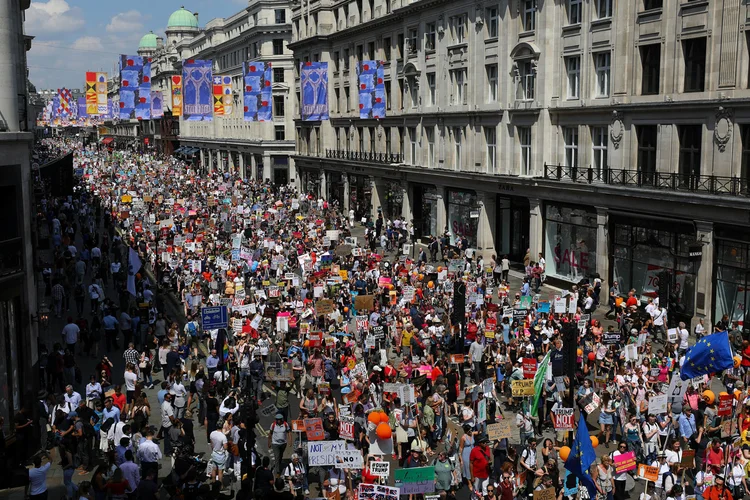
(536, 225)
(486, 224)
(267, 167)
(704, 285)
(406, 207)
(203, 160)
(323, 189)
(243, 174)
(210, 161)
(442, 210)
(294, 175)
(345, 201)
(378, 194)
(602, 245)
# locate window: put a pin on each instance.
(318, 148)
(387, 86)
(457, 132)
(278, 46)
(491, 19)
(571, 146)
(652, 4)
(458, 78)
(602, 64)
(690, 155)
(413, 35)
(387, 134)
(604, 8)
(491, 70)
(387, 49)
(430, 134)
(346, 59)
(524, 140)
(337, 99)
(347, 100)
(401, 96)
(280, 16)
(599, 141)
(401, 141)
(458, 25)
(336, 57)
(360, 54)
(413, 91)
(694, 51)
(528, 15)
(371, 133)
(338, 138)
(650, 68)
(573, 67)
(316, 57)
(574, 11)
(429, 36)
(371, 50)
(278, 106)
(413, 143)
(400, 46)
(745, 165)
(646, 148)
(527, 80)
(278, 75)
(490, 138)
(431, 88)
(279, 132)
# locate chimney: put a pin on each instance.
(196, 16)
(159, 42)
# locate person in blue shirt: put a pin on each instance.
(526, 289)
(111, 325)
(120, 450)
(688, 427)
(162, 393)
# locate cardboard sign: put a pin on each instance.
(563, 419)
(726, 428)
(500, 430)
(346, 428)
(725, 405)
(298, 425)
(648, 473)
(529, 367)
(416, 480)
(323, 452)
(314, 430)
(625, 462)
(545, 494)
(522, 387)
(269, 410)
(687, 458)
(323, 306)
(364, 302)
(657, 404)
(457, 359)
(380, 469)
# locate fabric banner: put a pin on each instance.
(177, 95)
(157, 104)
(91, 93)
(56, 107)
(82, 107)
(257, 79)
(314, 91)
(96, 94)
(222, 95)
(371, 90)
(135, 88)
(65, 104)
(197, 83)
(110, 109)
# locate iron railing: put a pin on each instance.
(709, 184)
(371, 156)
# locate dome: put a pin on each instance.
(182, 19)
(148, 41)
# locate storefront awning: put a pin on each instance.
(108, 140)
(191, 151)
(179, 150)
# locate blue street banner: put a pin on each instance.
(157, 104)
(371, 90)
(257, 78)
(82, 112)
(314, 91)
(197, 90)
(135, 88)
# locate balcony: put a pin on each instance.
(364, 156)
(704, 184)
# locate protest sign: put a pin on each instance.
(349, 459)
(529, 367)
(378, 332)
(457, 359)
(725, 405)
(657, 404)
(648, 473)
(500, 430)
(563, 419)
(687, 459)
(362, 323)
(610, 338)
(625, 462)
(380, 469)
(323, 453)
(416, 480)
(269, 410)
(481, 411)
(314, 429)
(545, 494)
(590, 402)
(298, 425)
(377, 492)
(279, 371)
(523, 387)
(346, 428)
(560, 305)
(364, 302)
(323, 306)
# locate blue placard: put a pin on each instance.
(214, 317)
(79, 172)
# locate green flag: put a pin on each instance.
(539, 378)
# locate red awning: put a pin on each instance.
(107, 140)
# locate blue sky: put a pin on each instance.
(75, 36)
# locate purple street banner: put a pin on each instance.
(257, 78)
(157, 104)
(314, 91)
(371, 90)
(197, 90)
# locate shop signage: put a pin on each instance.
(695, 252)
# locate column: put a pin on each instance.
(486, 224)
(442, 210)
(294, 175)
(323, 187)
(345, 204)
(210, 161)
(406, 208)
(704, 287)
(378, 194)
(267, 167)
(243, 174)
(536, 225)
(203, 160)
(602, 245)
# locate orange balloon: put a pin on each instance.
(737, 394)
(440, 269)
(346, 309)
(421, 277)
(307, 343)
(564, 452)
(580, 352)
(723, 393)
(374, 417)
(594, 441)
(430, 284)
(384, 418)
(383, 431)
(592, 356)
(709, 396)
(737, 361)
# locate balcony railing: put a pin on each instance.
(370, 156)
(709, 184)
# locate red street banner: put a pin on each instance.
(529, 367)
(725, 405)
(563, 419)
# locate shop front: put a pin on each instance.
(335, 188)
(732, 271)
(360, 195)
(463, 216)
(512, 227)
(425, 211)
(570, 242)
(394, 199)
(280, 166)
(642, 249)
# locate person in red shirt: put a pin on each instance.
(715, 454)
(118, 398)
(479, 459)
(632, 301)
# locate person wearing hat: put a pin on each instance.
(666, 479)
(480, 460)
(279, 437)
(296, 476)
(718, 491)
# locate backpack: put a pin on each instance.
(192, 330)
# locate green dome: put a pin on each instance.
(148, 41)
(182, 19)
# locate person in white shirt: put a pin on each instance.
(180, 395)
(93, 392)
(682, 335)
(218, 454)
(700, 329)
(71, 397)
(660, 322)
(70, 334)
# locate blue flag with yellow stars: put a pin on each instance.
(711, 354)
(581, 456)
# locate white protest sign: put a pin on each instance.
(657, 404)
(321, 453)
(380, 469)
(350, 459)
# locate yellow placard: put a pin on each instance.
(522, 387)
(126, 198)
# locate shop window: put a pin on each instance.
(650, 68)
(570, 237)
(461, 224)
(646, 149)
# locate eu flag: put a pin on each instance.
(581, 456)
(710, 354)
